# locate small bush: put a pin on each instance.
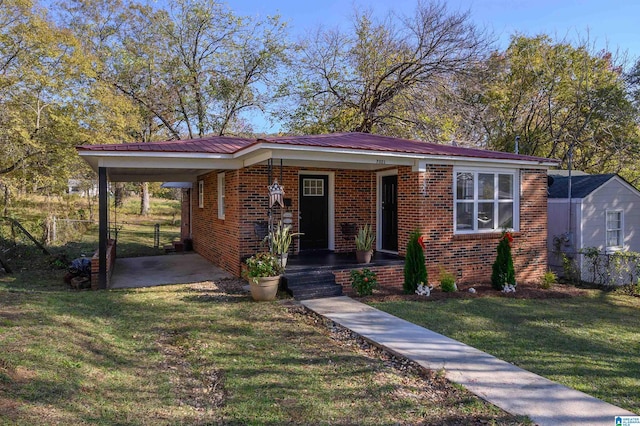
(415, 269)
(364, 281)
(548, 279)
(503, 272)
(447, 282)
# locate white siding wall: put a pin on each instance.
(614, 195)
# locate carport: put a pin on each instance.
(171, 161)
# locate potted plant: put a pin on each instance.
(263, 273)
(364, 244)
(279, 240)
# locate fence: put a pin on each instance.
(605, 269)
(59, 231)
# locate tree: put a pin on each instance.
(560, 100)
(42, 67)
(375, 77)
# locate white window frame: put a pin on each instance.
(201, 194)
(620, 230)
(475, 171)
(221, 195)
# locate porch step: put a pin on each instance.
(311, 285)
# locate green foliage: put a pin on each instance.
(609, 270)
(556, 95)
(548, 279)
(363, 281)
(503, 272)
(280, 237)
(447, 282)
(263, 264)
(364, 238)
(415, 270)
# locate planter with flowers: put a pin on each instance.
(263, 273)
(364, 281)
(364, 244)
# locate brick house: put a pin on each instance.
(459, 198)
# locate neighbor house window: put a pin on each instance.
(221, 190)
(484, 200)
(614, 229)
(201, 193)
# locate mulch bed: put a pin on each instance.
(523, 291)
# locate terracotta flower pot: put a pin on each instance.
(265, 289)
(364, 256)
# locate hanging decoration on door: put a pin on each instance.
(276, 194)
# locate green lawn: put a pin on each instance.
(590, 343)
(193, 354)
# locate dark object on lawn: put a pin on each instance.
(79, 275)
(4, 265)
(80, 283)
(80, 266)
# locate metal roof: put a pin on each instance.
(349, 141)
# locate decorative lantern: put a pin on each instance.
(276, 194)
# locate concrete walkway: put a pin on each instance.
(513, 389)
(179, 268)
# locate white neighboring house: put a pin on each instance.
(604, 213)
(82, 187)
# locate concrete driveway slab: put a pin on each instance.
(180, 268)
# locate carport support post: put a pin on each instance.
(103, 203)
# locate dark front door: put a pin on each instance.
(314, 212)
(389, 213)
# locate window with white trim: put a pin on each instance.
(201, 193)
(221, 191)
(614, 229)
(485, 201)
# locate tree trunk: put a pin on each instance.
(6, 201)
(144, 199)
(119, 194)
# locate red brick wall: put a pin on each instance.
(355, 202)
(388, 277)
(218, 240)
(95, 265)
(470, 257)
(425, 202)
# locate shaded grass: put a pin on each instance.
(135, 235)
(192, 355)
(588, 343)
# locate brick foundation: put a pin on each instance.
(390, 277)
(95, 265)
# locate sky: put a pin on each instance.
(613, 25)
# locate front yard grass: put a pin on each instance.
(194, 354)
(590, 343)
